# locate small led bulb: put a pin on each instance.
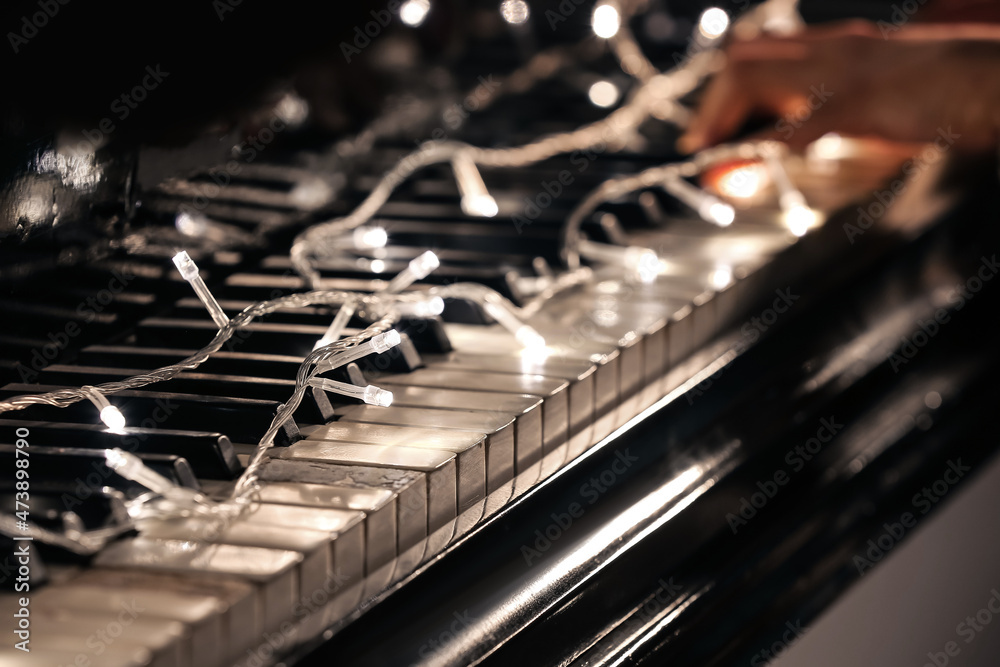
(371, 394)
(367, 238)
(606, 20)
(377, 344)
(189, 272)
(375, 396)
(713, 23)
(795, 213)
(114, 418)
(476, 199)
(418, 269)
(413, 12)
(110, 415)
(523, 333)
(422, 309)
(641, 262)
(131, 467)
(529, 338)
(385, 341)
(709, 207)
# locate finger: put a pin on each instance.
(722, 110)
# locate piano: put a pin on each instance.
(625, 427)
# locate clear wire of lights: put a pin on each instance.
(656, 95)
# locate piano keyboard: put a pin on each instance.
(354, 499)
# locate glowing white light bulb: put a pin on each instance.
(191, 225)
(413, 12)
(523, 333)
(370, 237)
(292, 109)
(370, 394)
(722, 276)
(418, 269)
(828, 147)
(377, 344)
(606, 20)
(742, 182)
(799, 219)
(646, 265)
(708, 206)
(189, 272)
(529, 338)
(515, 12)
(476, 199)
(795, 213)
(131, 467)
(110, 415)
(713, 23)
(310, 193)
(719, 213)
(640, 262)
(113, 418)
(481, 206)
(425, 308)
(603, 94)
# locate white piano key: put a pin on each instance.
(273, 570)
(468, 447)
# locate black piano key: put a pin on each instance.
(272, 338)
(85, 470)
(211, 455)
(241, 419)
(401, 359)
(235, 386)
(47, 506)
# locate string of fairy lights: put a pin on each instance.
(655, 95)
